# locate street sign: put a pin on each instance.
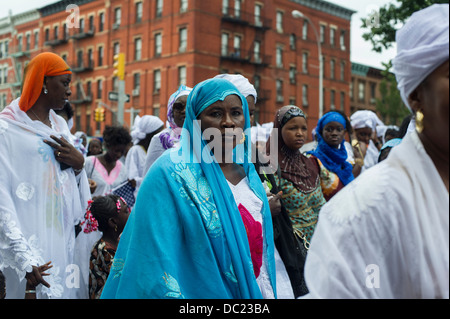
(114, 96)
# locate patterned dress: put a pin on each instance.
(303, 208)
(102, 257)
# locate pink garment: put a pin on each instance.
(255, 238)
(108, 178)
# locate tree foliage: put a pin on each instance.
(382, 27)
(390, 18)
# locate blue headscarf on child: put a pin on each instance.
(185, 238)
(334, 159)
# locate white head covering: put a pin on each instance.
(143, 126)
(422, 46)
(365, 118)
(241, 83)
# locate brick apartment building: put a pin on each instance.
(172, 42)
(364, 87)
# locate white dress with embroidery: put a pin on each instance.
(39, 208)
(244, 195)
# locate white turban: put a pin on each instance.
(241, 83)
(143, 126)
(365, 118)
(422, 46)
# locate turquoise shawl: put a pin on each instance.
(185, 237)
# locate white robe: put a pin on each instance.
(39, 207)
(385, 235)
(134, 163)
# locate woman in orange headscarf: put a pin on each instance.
(43, 186)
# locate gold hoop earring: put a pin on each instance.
(419, 122)
(243, 139)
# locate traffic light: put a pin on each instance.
(119, 66)
(99, 114)
(102, 114)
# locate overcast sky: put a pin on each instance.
(360, 50)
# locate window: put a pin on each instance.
(333, 99)
(116, 48)
(36, 39)
(99, 89)
(279, 90)
(224, 44)
(258, 10)
(183, 40)
(237, 46)
(138, 8)
(91, 23)
(136, 82)
(257, 52)
(159, 8)
(342, 40)
(237, 9)
(305, 30)
(55, 32)
(158, 44)
(332, 37)
(361, 91)
(65, 31)
(47, 35)
(225, 6)
(305, 95)
(351, 90)
(183, 6)
(81, 29)
(342, 71)
(101, 22)
(90, 58)
(279, 21)
(332, 69)
(28, 42)
(292, 41)
(19, 43)
(137, 49)
(100, 56)
(80, 59)
(279, 57)
(182, 75)
(373, 89)
(117, 16)
(305, 62)
(322, 33)
(292, 74)
(156, 81)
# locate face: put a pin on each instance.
(58, 88)
(363, 134)
(95, 147)
(433, 100)
(333, 134)
(179, 110)
(251, 108)
(115, 152)
(222, 115)
(294, 133)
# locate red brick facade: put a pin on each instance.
(171, 44)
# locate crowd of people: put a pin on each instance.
(216, 210)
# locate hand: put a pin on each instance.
(133, 182)
(66, 153)
(34, 278)
(92, 185)
(275, 203)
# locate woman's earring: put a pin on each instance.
(45, 91)
(243, 139)
(419, 122)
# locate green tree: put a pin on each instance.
(382, 27)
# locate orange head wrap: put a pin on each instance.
(44, 64)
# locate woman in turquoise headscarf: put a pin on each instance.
(188, 238)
